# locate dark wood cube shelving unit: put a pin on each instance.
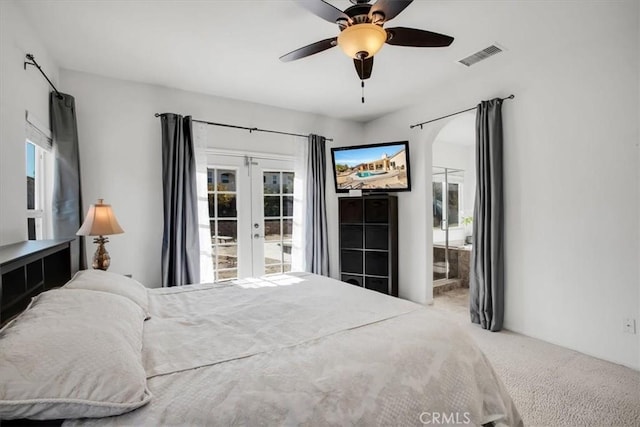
(369, 242)
(28, 268)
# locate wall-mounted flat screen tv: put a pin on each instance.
(372, 168)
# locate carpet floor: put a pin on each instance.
(551, 385)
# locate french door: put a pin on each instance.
(250, 215)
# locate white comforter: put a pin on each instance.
(301, 349)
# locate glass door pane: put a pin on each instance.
(439, 222)
(278, 220)
(447, 186)
(437, 204)
(453, 205)
(223, 217)
(455, 182)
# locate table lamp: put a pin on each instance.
(100, 221)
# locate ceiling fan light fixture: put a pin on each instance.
(358, 38)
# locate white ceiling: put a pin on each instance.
(231, 48)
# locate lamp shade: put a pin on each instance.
(100, 221)
(367, 38)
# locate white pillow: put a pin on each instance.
(73, 353)
(98, 280)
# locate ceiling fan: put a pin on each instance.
(362, 34)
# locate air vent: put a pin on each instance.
(481, 55)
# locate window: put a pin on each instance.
(37, 191)
(39, 178)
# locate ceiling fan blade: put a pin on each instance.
(364, 67)
(310, 49)
(400, 36)
(390, 8)
(324, 10)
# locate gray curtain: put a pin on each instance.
(316, 249)
(180, 242)
(67, 195)
(486, 287)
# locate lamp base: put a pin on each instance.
(101, 259)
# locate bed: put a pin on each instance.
(294, 349)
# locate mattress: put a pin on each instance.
(301, 349)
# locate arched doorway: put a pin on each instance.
(453, 192)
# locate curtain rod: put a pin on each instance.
(453, 114)
(248, 128)
(35, 64)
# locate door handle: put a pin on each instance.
(443, 224)
(257, 236)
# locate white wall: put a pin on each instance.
(415, 231)
(638, 179)
(571, 185)
(20, 90)
(451, 155)
(121, 157)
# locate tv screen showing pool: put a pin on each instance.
(374, 167)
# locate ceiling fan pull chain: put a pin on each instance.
(361, 56)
